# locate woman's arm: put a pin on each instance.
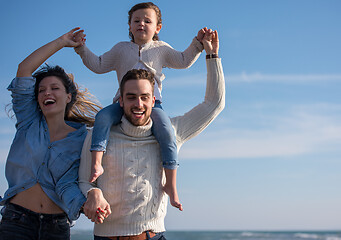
(23, 98)
(68, 191)
(39, 56)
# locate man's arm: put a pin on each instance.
(94, 195)
(85, 167)
(197, 119)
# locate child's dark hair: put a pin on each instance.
(82, 107)
(145, 5)
(137, 74)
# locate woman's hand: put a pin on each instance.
(39, 56)
(73, 38)
(96, 208)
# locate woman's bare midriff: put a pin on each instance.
(35, 199)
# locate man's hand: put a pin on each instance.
(96, 208)
(211, 42)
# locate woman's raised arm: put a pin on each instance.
(39, 56)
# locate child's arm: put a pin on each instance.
(98, 64)
(185, 59)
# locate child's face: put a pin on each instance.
(144, 25)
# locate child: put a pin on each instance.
(147, 52)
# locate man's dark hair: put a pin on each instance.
(137, 74)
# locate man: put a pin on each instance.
(132, 183)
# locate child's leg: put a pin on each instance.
(108, 116)
(164, 134)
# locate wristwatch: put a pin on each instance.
(213, 55)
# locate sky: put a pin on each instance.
(272, 159)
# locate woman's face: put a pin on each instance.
(52, 96)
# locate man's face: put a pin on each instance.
(137, 101)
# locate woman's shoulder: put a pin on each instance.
(80, 130)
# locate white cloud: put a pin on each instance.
(292, 78)
(304, 130)
(199, 79)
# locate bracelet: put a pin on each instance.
(213, 55)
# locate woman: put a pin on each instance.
(42, 165)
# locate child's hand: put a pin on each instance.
(201, 34)
(79, 37)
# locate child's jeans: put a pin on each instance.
(162, 130)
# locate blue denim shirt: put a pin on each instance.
(34, 159)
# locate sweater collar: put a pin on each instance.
(146, 45)
(136, 131)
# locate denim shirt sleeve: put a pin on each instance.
(25, 105)
(68, 191)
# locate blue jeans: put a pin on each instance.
(158, 236)
(162, 130)
(19, 223)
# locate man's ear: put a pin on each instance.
(153, 101)
(120, 101)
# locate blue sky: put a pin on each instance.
(272, 159)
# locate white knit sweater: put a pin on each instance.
(133, 177)
(153, 56)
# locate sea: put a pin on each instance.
(232, 235)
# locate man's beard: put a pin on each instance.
(137, 122)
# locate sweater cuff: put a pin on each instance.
(198, 44)
(79, 49)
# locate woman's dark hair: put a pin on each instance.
(58, 72)
(82, 107)
(145, 5)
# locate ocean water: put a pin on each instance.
(233, 235)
